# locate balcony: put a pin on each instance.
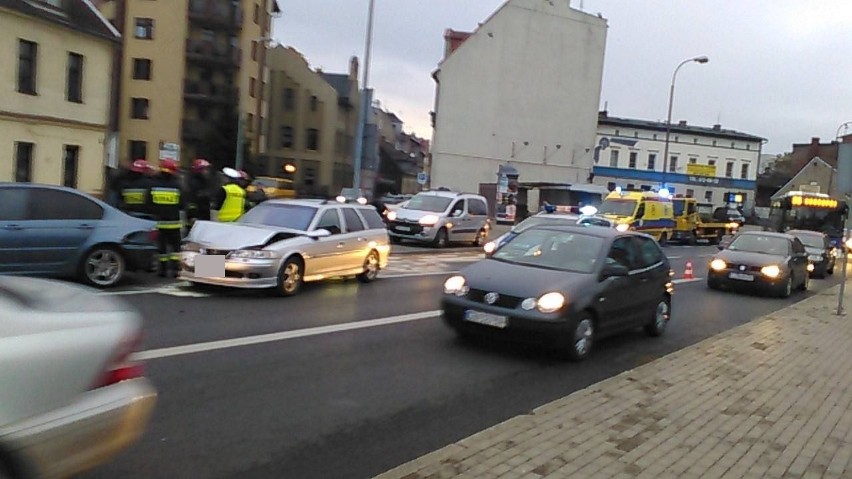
(215, 14)
(208, 53)
(194, 130)
(206, 92)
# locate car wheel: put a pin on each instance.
(103, 267)
(290, 277)
(664, 239)
(692, 239)
(371, 268)
(787, 288)
(830, 270)
(442, 239)
(582, 338)
(480, 238)
(660, 319)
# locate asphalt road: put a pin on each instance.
(341, 404)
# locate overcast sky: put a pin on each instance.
(780, 69)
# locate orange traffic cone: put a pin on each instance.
(688, 274)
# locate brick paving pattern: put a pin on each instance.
(767, 399)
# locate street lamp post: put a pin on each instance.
(362, 116)
(701, 59)
(843, 239)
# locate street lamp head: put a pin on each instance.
(701, 59)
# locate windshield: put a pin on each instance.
(534, 221)
(812, 241)
(544, 248)
(434, 204)
(595, 222)
(617, 207)
(829, 221)
(294, 217)
(760, 244)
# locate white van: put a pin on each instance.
(440, 218)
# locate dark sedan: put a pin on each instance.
(60, 232)
(772, 262)
(822, 255)
(563, 285)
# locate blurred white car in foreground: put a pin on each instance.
(71, 396)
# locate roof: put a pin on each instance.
(79, 15)
(339, 82)
(715, 132)
(792, 182)
(599, 232)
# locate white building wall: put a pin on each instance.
(530, 76)
(729, 156)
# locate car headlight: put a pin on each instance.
(429, 220)
(810, 267)
(733, 225)
(550, 302)
(252, 254)
(362, 201)
(622, 227)
(456, 285)
(718, 264)
(849, 243)
(771, 271)
(490, 247)
(341, 199)
(391, 215)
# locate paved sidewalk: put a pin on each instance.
(772, 398)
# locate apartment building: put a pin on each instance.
(192, 76)
(55, 83)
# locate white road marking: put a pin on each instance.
(272, 337)
(682, 280)
(411, 275)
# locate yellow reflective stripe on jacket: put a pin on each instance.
(165, 196)
(169, 225)
(134, 196)
(234, 205)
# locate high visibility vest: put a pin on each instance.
(234, 205)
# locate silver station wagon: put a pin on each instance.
(280, 244)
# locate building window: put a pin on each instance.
(748, 147)
(693, 160)
(256, 14)
(250, 122)
(252, 87)
(27, 56)
(714, 142)
(708, 195)
(610, 186)
(632, 159)
(711, 162)
(312, 139)
(673, 164)
(690, 193)
(744, 171)
(314, 103)
(729, 169)
(695, 141)
(616, 132)
(144, 28)
(286, 137)
(652, 161)
(141, 69)
(613, 158)
(254, 50)
(23, 162)
(139, 107)
(74, 90)
(138, 150)
(69, 166)
(655, 136)
(635, 134)
(289, 99)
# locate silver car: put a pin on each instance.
(71, 394)
(281, 244)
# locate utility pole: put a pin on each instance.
(362, 117)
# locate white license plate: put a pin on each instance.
(403, 228)
(487, 319)
(741, 277)
(815, 258)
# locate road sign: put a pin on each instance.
(422, 178)
(170, 151)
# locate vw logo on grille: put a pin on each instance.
(742, 267)
(491, 298)
(202, 251)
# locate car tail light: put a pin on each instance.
(153, 235)
(121, 365)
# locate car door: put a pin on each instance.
(653, 273)
(60, 224)
(460, 220)
(619, 298)
(477, 210)
(326, 252)
(355, 240)
(13, 220)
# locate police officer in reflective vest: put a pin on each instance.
(135, 189)
(230, 200)
(167, 203)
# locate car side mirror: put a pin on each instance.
(320, 233)
(611, 270)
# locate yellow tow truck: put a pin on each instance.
(694, 221)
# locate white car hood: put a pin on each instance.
(232, 236)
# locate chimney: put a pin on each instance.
(813, 150)
(602, 114)
(681, 123)
(717, 127)
(353, 68)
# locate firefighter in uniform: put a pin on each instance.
(135, 189)
(198, 192)
(230, 199)
(167, 203)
